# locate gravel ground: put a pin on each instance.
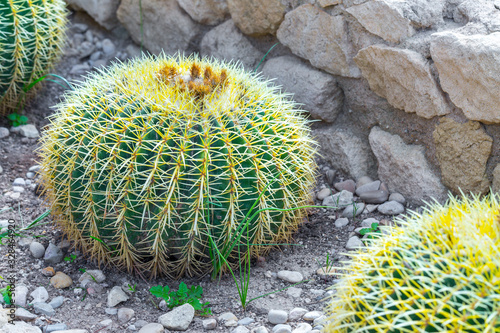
(87, 308)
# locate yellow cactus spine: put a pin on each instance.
(440, 272)
(32, 33)
(152, 156)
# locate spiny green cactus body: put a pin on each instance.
(153, 156)
(440, 272)
(31, 36)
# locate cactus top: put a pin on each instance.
(155, 155)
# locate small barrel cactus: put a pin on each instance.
(147, 160)
(31, 37)
(439, 272)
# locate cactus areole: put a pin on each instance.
(146, 161)
(31, 37)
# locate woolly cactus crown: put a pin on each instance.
(155, 155)
(438, 273)
(31, 37)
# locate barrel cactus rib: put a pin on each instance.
(147, 160)
(440, 273)
(31, 38)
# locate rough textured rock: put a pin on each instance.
(468, 72)
(495, 185)
(165, 25)
(404, 78)
(404, 168)
(462, 151)
(178, 319)
(422, 13)
(102, 11)
(226, 42)
(384, 19)
(346, 152)
(209, 12)
(257, 17)
(320, 38)
(316, 90)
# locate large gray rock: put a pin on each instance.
(102, 11)
(468, 72)
(53, 254)
(178, 319)
(404, 168)
(404, 78)
(462, 151)
(316, 90)
(345, 151)
(257, 17)
(384, 19)
(210, 12)
(226, 42)
(320, 38)
(165, 25)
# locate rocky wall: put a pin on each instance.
(407, 91)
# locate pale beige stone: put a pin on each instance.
(404, 78)
(320, 38)
(383, 19)
(257, 17)
(165, 25)
(468, 68)
(404, 168)
(462, 151)
(210, 12)
(102, 11)
(61, 280)
(326, 3)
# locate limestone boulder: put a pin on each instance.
(404, 168)
(316, 90)
(468, 68)
(209, 12)
(404, 78)
(102, 11)
(462, 151)
(320, 38)
(384, 19)
(484, 12)
(345, 151)
(166, 26)
(225, 41)
(257, 17)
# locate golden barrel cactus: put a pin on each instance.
(146, 160)
(439, 272)
(32, 33)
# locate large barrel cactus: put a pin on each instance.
(440, 272)
(31, 36)
(147, 160)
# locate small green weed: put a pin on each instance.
(132, 288)
(6, 293)
(328, 266)
(16, 119)
(182, 296)
(71, 258)
(372, 231)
